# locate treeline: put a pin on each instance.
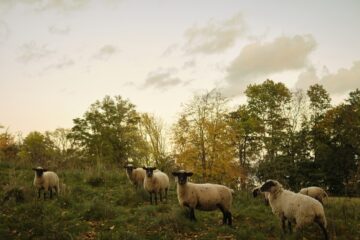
(295, 137)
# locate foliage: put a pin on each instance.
(109, 131)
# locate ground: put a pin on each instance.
(97, 204)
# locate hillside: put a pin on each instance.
(106, 206)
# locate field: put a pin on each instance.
(103, 205)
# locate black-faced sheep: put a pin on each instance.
(294, 207)
(256, 192)
(135, 175)
(156, 182)
(315, 192)
(205, 197)
(46, 180)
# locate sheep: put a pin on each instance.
(256, 191)
(205, 197)
(135, 175)
(155, 182)
(314, 192)
(294, 207)
(46, 180)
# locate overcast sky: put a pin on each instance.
(59, 56)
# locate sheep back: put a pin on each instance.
(48, 180)
(206, 197)
(314, 192)
(158, 182)
(297, 207)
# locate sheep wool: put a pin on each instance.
(156, 182)
(315, 192)
(205, 197)
(135, 175)
(294, 207)
(46, 180)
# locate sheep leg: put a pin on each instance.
(283, 219)
(160, 193)
(322, 226)
(192, 214)
(155, 198)
(226, 215)
(229, 218)
(50, 190)
(166, 190)
(150, 198)
(289, 227)
(39, 193)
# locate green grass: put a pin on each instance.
(103, 205)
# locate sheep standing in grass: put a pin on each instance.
(135, 175)
(206, 197)
(315, 192)
(156, 182)
(294, 207)
(256, 191)
(46, 180)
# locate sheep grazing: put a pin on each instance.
(315, 192)
(205, 197)
(46, 180)
(156, 182)
(256, 191)
(135, 175)
(294, 207)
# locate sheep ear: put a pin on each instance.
(34, 169)
(45, 169)
(154, 168)
(189, 174)
(175, 174)
(144, 168)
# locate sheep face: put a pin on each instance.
(256, 192)
(129, 168)
(39, 171)
(149, 171)
(182, 176)
(270, 186)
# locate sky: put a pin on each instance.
(57, 57)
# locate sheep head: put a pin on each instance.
(149, 171)
(270, 186)
(39, 171)
(129, 168)
(182, 176)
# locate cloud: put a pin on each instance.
(4, 31)
(162, 79)
(215, 37)
(189, 64)
(62, 64)
(337, 83)
(105, 52)
(58, 5)
(60, 30)
(32, 52)
(170, 50)
(261, 59)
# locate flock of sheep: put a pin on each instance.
(300, 208)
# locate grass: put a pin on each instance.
(96, 205)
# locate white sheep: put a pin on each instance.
(135, 175)
(205, 197)
(256, 191)
(156, 182)
(294, 207)
(46, 180)
(315, 192)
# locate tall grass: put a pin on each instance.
(102, 204)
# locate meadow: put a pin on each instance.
(101, 204)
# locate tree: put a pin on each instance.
(37, 149)
(154, 134)
(268, 102)
(108, 131)
(201, 141)
(8, 146)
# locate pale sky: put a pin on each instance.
(59, 56)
